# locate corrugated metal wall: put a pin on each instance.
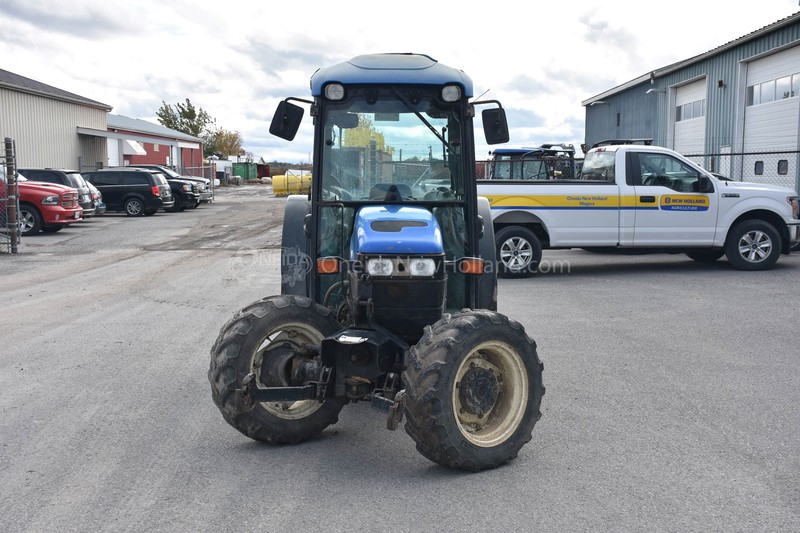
(648, 115)
(45, 130)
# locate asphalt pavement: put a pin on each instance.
(672, 403)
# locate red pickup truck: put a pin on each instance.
(46, 207)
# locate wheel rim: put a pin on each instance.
(134, 208)
(490, 394)
(297, 335)
(755, 246)
(25, 221)
(516, 253)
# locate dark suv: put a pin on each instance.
(70, 178)
(135, 191)
(203, 184)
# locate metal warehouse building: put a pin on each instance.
(735, 109)
(42, 120)
(58, 129)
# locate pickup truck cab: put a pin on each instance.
(46, 207)
(641, 198)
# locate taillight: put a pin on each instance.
(156, 191)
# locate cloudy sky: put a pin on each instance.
(236, 59)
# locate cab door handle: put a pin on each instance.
(647, 199)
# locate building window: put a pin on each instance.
(759, 168)
(783, 167)
(768, 91)
(783, 87)
(771, 90)
(155, 147)
(689, 110)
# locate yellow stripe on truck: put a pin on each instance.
(668, 202)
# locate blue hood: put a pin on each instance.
(395, 229)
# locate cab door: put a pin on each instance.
(675, 204)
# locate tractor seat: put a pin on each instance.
(390, 192)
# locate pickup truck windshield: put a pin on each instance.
(392, 146)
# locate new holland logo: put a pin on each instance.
(684, 203)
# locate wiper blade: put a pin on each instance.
(424, 120)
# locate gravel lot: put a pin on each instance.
(672, 397)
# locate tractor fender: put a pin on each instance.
(487, 284)
(295, 259)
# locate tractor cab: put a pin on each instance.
(393, 192)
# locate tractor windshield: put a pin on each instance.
(391, 145)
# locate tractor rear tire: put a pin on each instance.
(267, 338)
(473, 390)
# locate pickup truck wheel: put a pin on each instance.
(273, 338)
(30, 221)
(518, 252)
(134, 207)
(753, 245)
(473, 390)
(705, 256)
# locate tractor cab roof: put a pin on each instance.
(393, 68)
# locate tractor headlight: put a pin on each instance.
(380, 267)
(334, 91)
(422, 266)
(451, 93)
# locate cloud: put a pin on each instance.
(85, 21)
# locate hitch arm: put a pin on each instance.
(251, 393)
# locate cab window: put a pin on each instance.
(598, 166)
(663, 170)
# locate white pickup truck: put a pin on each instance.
(641, 198)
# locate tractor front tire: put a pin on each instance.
(269, 338)
(473, 390)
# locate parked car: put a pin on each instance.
(184, 192)
(46, 207)
(203, 184)
(134, 191)
(97, 199)
(69, 178)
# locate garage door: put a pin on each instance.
(772, 116)
(690, 118)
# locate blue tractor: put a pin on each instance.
(389, 289)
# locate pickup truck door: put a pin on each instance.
(574, 213)
(671, 207)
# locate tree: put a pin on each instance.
(185, 118)
(361, 136)
(222, 143)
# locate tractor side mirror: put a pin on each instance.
(495, 126)
(481, 227)
(286, 120)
